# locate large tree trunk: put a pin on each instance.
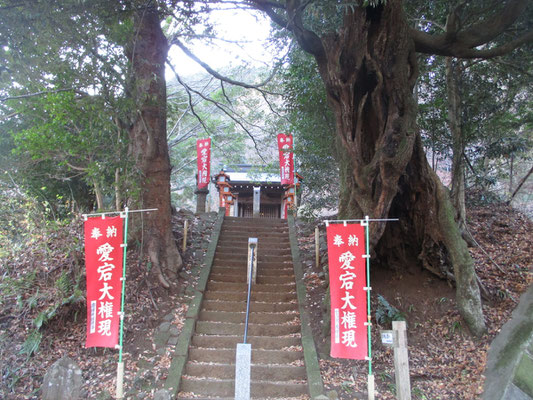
(148, 142)
(369, 69)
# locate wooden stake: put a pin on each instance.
(371, 389)
(317, 247)
(401, 361)
(120, 380)
(185, 227)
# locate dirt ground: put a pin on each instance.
(446, 362)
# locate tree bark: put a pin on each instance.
(99, 195)
(118, 195)
(369, 69)
(453, 72)
(148, 142)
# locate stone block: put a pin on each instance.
(243, 371)
(162, 394)
(524, 375)
(514, 393)
(62, 381)
(164, 326)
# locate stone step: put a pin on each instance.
(242, 245)
(239, 317)
(255, 296)
(243, 287)
(272, 237)
(257, 342)
(278, 373)
(261, 279)
(255, 221)
(260, 264)
(264, 256)
(225, 305)
(281, 272)
(222, 328)
(227, 356)
(243, 251)
(236, 239)
(226, 388)
(243, 241)
(257, 229)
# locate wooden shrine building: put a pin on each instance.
(251, 191)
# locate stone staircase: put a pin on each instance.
(278, 369)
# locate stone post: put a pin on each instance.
(257, 201)
(201, 196)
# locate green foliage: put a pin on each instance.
(64, 106)
(32, 343)
(40, 265)
(386, 313)
(69, 138)
(312, 123)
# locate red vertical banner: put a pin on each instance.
(203, 152)
(103, 262)
(286, 159)
(347, 281)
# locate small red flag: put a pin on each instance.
(203, 152)
(286, 159)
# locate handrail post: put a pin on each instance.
(243, 357)
(252, 274)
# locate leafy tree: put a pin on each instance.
(78, 137)
(115, 51)
(369, 68)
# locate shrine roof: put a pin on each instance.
(244, 173)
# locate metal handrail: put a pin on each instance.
(250, 279)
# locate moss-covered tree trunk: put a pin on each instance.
(148, 142)
(369, 69)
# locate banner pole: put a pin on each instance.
(369, 316)
(120, 366)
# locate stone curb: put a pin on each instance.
(510, 356)
(179, 358)
(314, 378)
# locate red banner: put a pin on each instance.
(203, 152)
(103, 261)
(347, 280)
(286, 159)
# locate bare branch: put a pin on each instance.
(522, 181)
(224, 92)
(308, 40)
(462, 43)
(200, 120)
(216, 74)
(75, 167)
(44, 92)
(8, 116)
(221, 108)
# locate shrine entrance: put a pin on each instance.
(249, 191)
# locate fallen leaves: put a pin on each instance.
(445, 361)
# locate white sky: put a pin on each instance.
(251, 31)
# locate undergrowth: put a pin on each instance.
(41, 275)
